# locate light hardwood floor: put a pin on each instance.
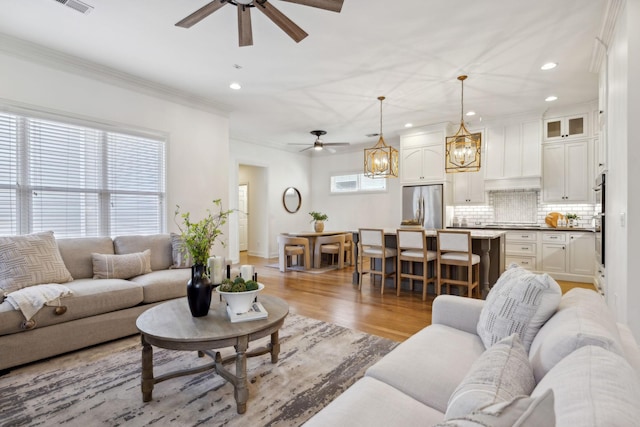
(332, 298)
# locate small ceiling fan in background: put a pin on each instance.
(245, 34)
(318, 144)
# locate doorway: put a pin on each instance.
(243, 212)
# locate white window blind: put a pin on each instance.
(78, 180)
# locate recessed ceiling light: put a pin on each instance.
(471, 113)
(235, 86)
(549, 66)
(408, 125)
(551, 98)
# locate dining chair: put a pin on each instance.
(332, 245)
(412, 249)
(348, 249)
(289, 247)
(454, 250)
(371, 246)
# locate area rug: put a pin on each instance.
(101, 385)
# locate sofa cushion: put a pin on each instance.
(522, 411)
(181, 258)
(500, 374)
(370, 402)
(158, 244)
(31, 259)
(76, 253)
(520, 302)
(430, 364)
(163, 285)
(583, 318)
(121, 266)
(90, 297)
(593, 387)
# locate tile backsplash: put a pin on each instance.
(520, 206)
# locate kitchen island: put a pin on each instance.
(489, 244)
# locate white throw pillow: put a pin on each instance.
(593, 387)
(500, 374)
(523, 411)
(31, 259)
(107, 266)
(520, 302)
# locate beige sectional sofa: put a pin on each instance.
(99, 310)
(447, 375)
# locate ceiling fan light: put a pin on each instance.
(318, 147)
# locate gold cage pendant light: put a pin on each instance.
(463, 148)
(381, 161)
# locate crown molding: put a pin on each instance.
(603, 41)
(93, 70)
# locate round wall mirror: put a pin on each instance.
(291, 200)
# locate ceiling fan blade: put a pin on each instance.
(305, 149)
(201, 13)
(332, 5)
(245, 34)
(331, 150)
(278, 18)
(335, 144)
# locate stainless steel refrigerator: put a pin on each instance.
(423, 204)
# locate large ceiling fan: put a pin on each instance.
(318, 144)
(245, 34)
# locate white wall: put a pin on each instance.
(623, 153)
(197, 150)
(350, 212)
(282, 170)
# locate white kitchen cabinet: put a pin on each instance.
(468, 188)
(568, 255)
(566, 172)
(521, 249)
(566, 127)
(582, 253)
(422, 157)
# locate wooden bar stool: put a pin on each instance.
(372, 246)
(454, 250)
(412, 248)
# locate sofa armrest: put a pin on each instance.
(457, 312)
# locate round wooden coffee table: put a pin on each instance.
(170, 325)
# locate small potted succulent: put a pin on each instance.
(318, 219)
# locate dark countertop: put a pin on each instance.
(522, 227)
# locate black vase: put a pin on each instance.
(199, 291)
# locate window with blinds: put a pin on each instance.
(356, 183)
(78, 180)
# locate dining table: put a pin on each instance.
(489, 244)
(312, 236)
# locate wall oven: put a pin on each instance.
(600, 217)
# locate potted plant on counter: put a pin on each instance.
(199, 237)
(572, 219)
(319, 219)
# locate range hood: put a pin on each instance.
(520, 183)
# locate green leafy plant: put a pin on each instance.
(572, 216)
(318, 216)
(200, 236)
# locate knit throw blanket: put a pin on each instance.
(31, 299)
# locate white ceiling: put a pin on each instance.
(410, 51)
